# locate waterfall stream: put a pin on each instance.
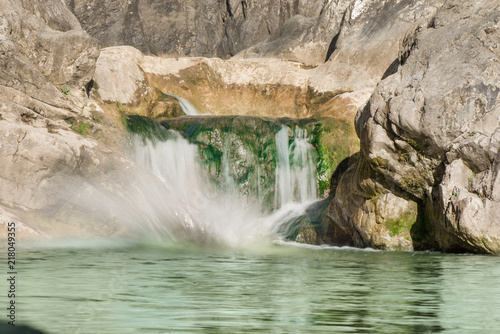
(295, 170)
(186, 106)
(198, 209)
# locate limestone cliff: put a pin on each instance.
(292, 29)
(48, 126)
(429, 135)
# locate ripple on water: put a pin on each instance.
(280, 289)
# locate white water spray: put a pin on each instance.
(194, 209)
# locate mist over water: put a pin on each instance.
(195, 208)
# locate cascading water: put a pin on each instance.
(195, 208)
(186, 106)
(296, 169)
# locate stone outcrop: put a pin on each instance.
(429, 136)
(48, 126)
(259, 87)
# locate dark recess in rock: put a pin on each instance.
(89, 86)
(332, 46)
(393, 68)
(228, 8)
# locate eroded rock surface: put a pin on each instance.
(48, 126)
(429, 135)
(292, 29)
(263, 87)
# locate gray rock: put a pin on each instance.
(43, 30)
(440, 107)
(211, 28)
(46, 119)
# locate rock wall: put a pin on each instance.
(429, 141)
(133, 83)
(210, 28)
(48, 126)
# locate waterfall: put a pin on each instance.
(295, 169)
(186, 106)
(195, 208)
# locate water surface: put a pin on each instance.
(279, 289)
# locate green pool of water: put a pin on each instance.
(131, 288)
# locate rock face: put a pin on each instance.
(365, 37)
(293, 29)
(46, 119)
(430, 137)
(258, 87)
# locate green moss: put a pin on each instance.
(404, 224)
(333, 140)
(413, 186)
(381, 163)
(147, 128)
(375, 195)
(81, 128)
(315, 99)
(250, 143)
(404, 158)
(416, 145)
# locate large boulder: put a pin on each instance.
(430, 135)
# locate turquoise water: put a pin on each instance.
(132, 288)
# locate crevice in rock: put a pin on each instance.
(244, 9)
(332, 46)
(228, 8)
(71, 5)
(421, 232)
(89, 86)
(296, 6)
(392, 69)
(15, 155)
